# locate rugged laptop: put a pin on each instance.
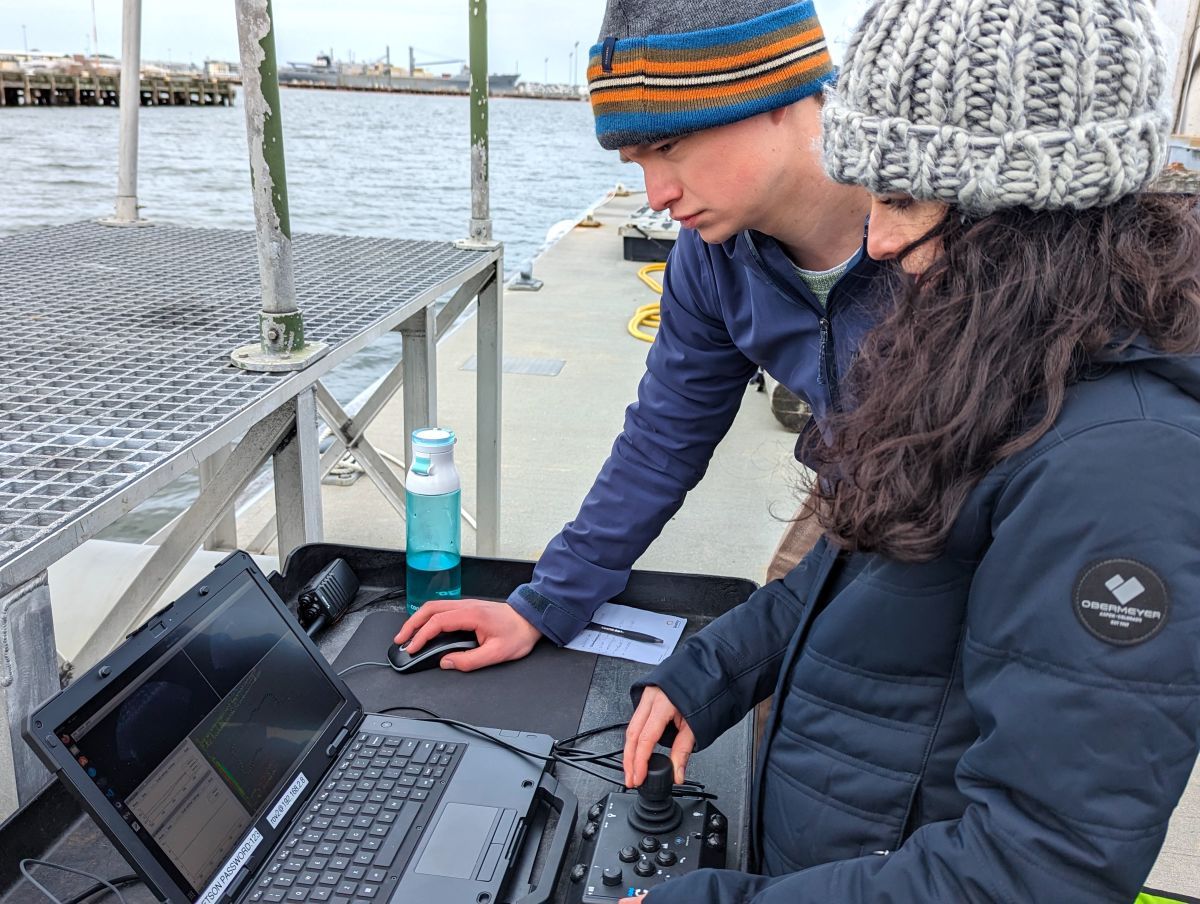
(228, 762)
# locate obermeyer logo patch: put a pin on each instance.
(1121, 601)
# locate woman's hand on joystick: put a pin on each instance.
(653, 714)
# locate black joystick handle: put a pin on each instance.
(655, 811)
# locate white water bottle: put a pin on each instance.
(433, 527)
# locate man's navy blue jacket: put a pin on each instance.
(726, 310)
(1013, 721)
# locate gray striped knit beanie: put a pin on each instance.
(988, 104)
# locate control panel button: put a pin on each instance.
(612, 875)
(590, 830)
(578, 871)
(649, 844)
(628, 854)
(715, 842)
(665, 857)
(644, 868)
(595, 812)
(716, 823)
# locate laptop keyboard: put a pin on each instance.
(350, 845)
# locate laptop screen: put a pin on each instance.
(201, 737)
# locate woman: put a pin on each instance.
(987, 674)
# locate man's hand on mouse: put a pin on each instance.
(502, 633)
(654, 713)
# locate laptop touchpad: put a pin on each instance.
(458, 838)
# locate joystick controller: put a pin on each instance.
(656, 811)
(635, 841)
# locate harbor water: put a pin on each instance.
(391, 165)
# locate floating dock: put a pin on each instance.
(570, 369)
(58, 89)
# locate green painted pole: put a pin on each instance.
(282, 343)
(481, 215)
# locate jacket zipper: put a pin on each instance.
(827, 356)
(829, 363)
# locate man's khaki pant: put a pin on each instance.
(800, 537)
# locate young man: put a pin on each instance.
(719, 103)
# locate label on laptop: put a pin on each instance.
(240, 857)
(285, 803)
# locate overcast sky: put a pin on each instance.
(535, 37)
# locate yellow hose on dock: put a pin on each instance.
(648, 315)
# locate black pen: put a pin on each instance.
(623, 632)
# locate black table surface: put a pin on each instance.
(53, 827)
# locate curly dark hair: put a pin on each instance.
(973, 362)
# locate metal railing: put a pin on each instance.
(276, 421)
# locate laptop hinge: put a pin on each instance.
(235, 887)
(343, 735)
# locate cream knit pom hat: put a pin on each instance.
(988, 104)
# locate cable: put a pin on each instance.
(555, 756)
(586, 756)
(552, 758)
(397, 593)
(320, 621)
(648, 315)
(359, 665)
(119, 882)
(104, 883)
(591, 732)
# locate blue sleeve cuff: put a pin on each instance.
(553, 620)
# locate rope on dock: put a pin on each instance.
(648, 315)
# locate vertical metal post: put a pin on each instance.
(224, 535)
(297, 466)
(481, 213)
(489, 351)
(419, 362)
(28, 677)
(131, 103)
(489, 340)
(282, 345)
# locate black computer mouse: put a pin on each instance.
(430, 655)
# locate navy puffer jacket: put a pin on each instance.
(1014, 721)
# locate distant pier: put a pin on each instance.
(50, 89)
(429, 86)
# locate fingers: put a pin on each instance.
(685, 743)
(490, 652)
(651, 732)
(443, 620)
(634, 732)
(415, 621)
(419, 618)
(653, 715)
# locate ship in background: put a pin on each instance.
(381, 75)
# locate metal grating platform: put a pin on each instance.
(114, 351)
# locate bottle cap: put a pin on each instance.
(433, 439)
